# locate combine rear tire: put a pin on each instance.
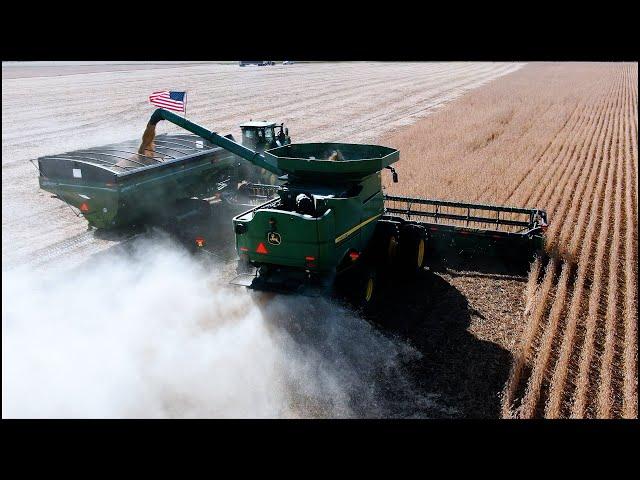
(413, 243)
(367, 289)
(385, 244)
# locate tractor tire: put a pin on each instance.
(413, 245)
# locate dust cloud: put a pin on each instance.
(152, 332)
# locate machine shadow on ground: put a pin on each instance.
(433, 316)
(484, 265)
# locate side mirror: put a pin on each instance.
(394, 175)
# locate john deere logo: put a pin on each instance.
(274, 238)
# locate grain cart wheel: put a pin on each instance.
(413, 246)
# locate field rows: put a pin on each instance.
(570, 148)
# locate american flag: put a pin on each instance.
(175, 101)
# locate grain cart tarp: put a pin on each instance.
(114, 185)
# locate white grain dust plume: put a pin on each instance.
(153, 333)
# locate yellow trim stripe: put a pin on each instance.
(357, 227)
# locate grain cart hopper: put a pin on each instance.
(124, 184)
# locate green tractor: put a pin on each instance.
(261, 136)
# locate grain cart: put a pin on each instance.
(330, 224)
(123, 184)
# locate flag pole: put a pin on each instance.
(185, 104)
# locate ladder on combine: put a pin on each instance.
(472, 229)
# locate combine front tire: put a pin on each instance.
(413, 243)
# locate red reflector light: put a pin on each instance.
(261, 249)
(200, 241)
(309, 259)
(244, 249)
(354, 256)
(84, 207)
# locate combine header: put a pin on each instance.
(473, 229)
(330, 224)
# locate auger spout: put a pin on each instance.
(252, 156)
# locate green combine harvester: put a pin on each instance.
(328, 224)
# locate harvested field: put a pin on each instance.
(48, 109)
(563, 137)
